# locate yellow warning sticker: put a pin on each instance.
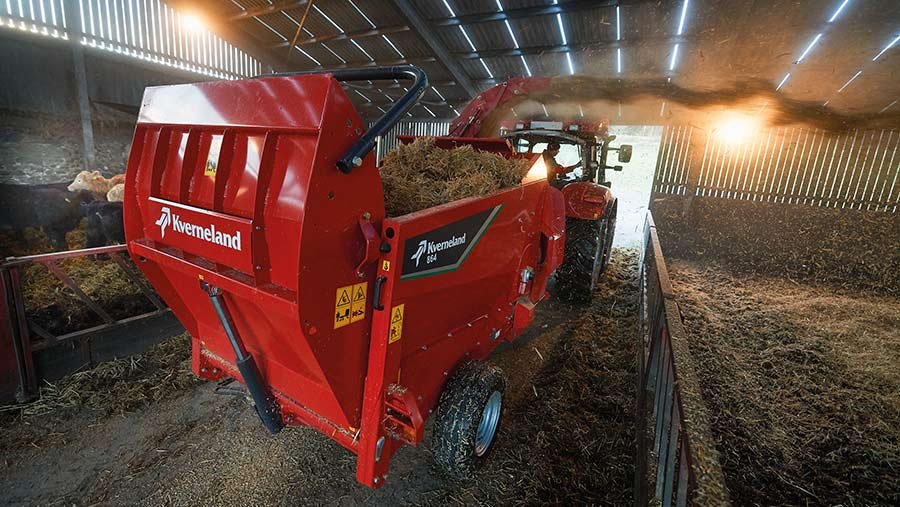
(350, 304)
(385, 265)
(396, 332)
(342, 306)
(210, 169)
(358, 303)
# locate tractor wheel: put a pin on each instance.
(467, 419)
(588, 248)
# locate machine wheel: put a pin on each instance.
(467, 419)
(588, 249)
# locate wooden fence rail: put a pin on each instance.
(857, 169)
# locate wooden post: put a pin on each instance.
(74, 28)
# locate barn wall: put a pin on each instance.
(798, 203)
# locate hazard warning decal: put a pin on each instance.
(350, 304)
(396, 331)
(445, 249)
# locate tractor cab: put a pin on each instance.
(583, 147)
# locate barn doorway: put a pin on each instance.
(634, 183)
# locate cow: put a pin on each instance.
(116, 193)
(104, 224)
(50, 207)
(93, 181)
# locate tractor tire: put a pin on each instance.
(467, 420)
(588, 249)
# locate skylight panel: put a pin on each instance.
(385, 37)
(674, 58)
(783, 81)
(889, 46)
(682, 18)
(361, 13)
(469, 40)
(562, 31)
(837, 12)
(850, 81)
(317, 9)
(276, 32)
(308, 55)
(809, 48)
(527, 69)
(363, 50)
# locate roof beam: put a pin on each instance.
(525, 12)
(356, 65)
(359, 34)
(274, 8)
(562, 48)
(426, 32)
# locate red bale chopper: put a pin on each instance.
(256, 210)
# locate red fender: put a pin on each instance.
(586, 200)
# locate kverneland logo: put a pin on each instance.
(210, 234)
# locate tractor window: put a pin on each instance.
(569, 154)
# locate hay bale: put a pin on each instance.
(421, 175)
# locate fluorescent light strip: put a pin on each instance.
(363, 50)
(385, 37)
(850, 81)
(618, 24)
(449, 9)
(439, 94)
(809, 47)
(466, 35)
(545, 110)
(361, 13)
(332, 52)
(429, 111)
(569, 61)
(619, 60)
(889, 46)
(888, 106)
(674, 59)
(455, 111)
(783, 80)
(527, 69)
(838, 11)
(308, 55)
(363, 96)
(316, 7)
(511, 34)
(276, 32)
(490, 74)
(562, 31)
(684, 8)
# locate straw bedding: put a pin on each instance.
(421, 175)
(802, 384)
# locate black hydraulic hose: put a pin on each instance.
(266, 407)
(353, 157)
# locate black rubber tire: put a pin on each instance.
(610, 217)
(458, 415)
(588, 248)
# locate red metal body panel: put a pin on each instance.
(468, 123)
(492, 144)
(263, 214)
(586, 200)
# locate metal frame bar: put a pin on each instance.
(18, 332)
(680, 474)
